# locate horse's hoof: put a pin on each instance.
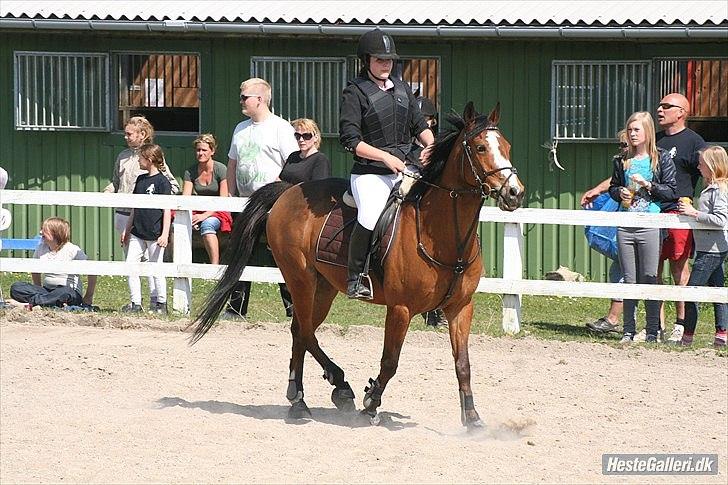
(374, 418)
(343, 399)
(476, 426)
(299, 410)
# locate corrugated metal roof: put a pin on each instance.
(427, 12)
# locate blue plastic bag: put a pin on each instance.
(603, 239)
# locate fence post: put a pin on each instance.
(512, 270)
(181, 254)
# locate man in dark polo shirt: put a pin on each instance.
(684, 146)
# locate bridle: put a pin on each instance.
(483, 190)
(482, 187)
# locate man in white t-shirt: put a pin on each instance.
(259, 147)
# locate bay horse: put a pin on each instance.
(433, 262)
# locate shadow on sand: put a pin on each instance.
(388, 420)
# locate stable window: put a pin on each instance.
(591, 100)
(705, 83)
(304, 87)
(57, 91)
(163, 87)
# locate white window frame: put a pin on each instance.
(51, 108)
(601, 118)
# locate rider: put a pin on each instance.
(379, 117)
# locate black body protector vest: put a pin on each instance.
(385, 123)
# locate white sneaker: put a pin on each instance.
(677, 333)
(641, 336)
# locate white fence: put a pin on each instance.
(511, 286)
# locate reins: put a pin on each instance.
(460, 265)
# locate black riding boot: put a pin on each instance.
(358, 249)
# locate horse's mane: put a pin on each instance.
(443, 146)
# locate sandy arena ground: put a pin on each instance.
(100, 399)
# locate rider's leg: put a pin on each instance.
(358, 250)
(370, 192)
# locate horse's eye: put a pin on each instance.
(480, 148)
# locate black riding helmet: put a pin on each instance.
(378, 44)
(427, 107)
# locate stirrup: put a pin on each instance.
(361, 291)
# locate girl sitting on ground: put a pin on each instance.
(55, 289)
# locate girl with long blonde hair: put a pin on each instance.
(711, 246)
(641, 181)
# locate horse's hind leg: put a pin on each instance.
(395, 329)
(342, 396)
(310, 309)
(294, 392)
(459, 333)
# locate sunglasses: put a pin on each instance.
(668, 106)
(305, 136)
(244, 97)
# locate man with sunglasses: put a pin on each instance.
(684, 146)
(259, 148)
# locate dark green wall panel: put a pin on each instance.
(516, 73)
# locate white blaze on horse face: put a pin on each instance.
(501, 161)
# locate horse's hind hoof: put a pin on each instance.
(299, 410)
(374, 418)
(343, 399)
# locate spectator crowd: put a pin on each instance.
(655, 171)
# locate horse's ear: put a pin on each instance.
(494, 116)
(469, 113)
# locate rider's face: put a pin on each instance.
(380, 68)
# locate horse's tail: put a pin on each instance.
(247, 229)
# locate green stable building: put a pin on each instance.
(71, 76)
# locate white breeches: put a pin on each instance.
(370, 192)
(120, 224)
(137, 248)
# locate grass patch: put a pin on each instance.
(546, 317)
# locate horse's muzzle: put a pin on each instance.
(510, 198)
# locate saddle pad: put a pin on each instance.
(332, 246)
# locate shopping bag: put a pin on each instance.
(603, 239)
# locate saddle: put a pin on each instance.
(332, 246)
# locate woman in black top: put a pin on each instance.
(307, 163)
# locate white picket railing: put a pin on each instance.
(511, 286)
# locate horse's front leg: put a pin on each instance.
(459, 327)
(395, 329)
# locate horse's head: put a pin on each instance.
(487, 153)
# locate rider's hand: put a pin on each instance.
(425, 154)
(395, 164)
